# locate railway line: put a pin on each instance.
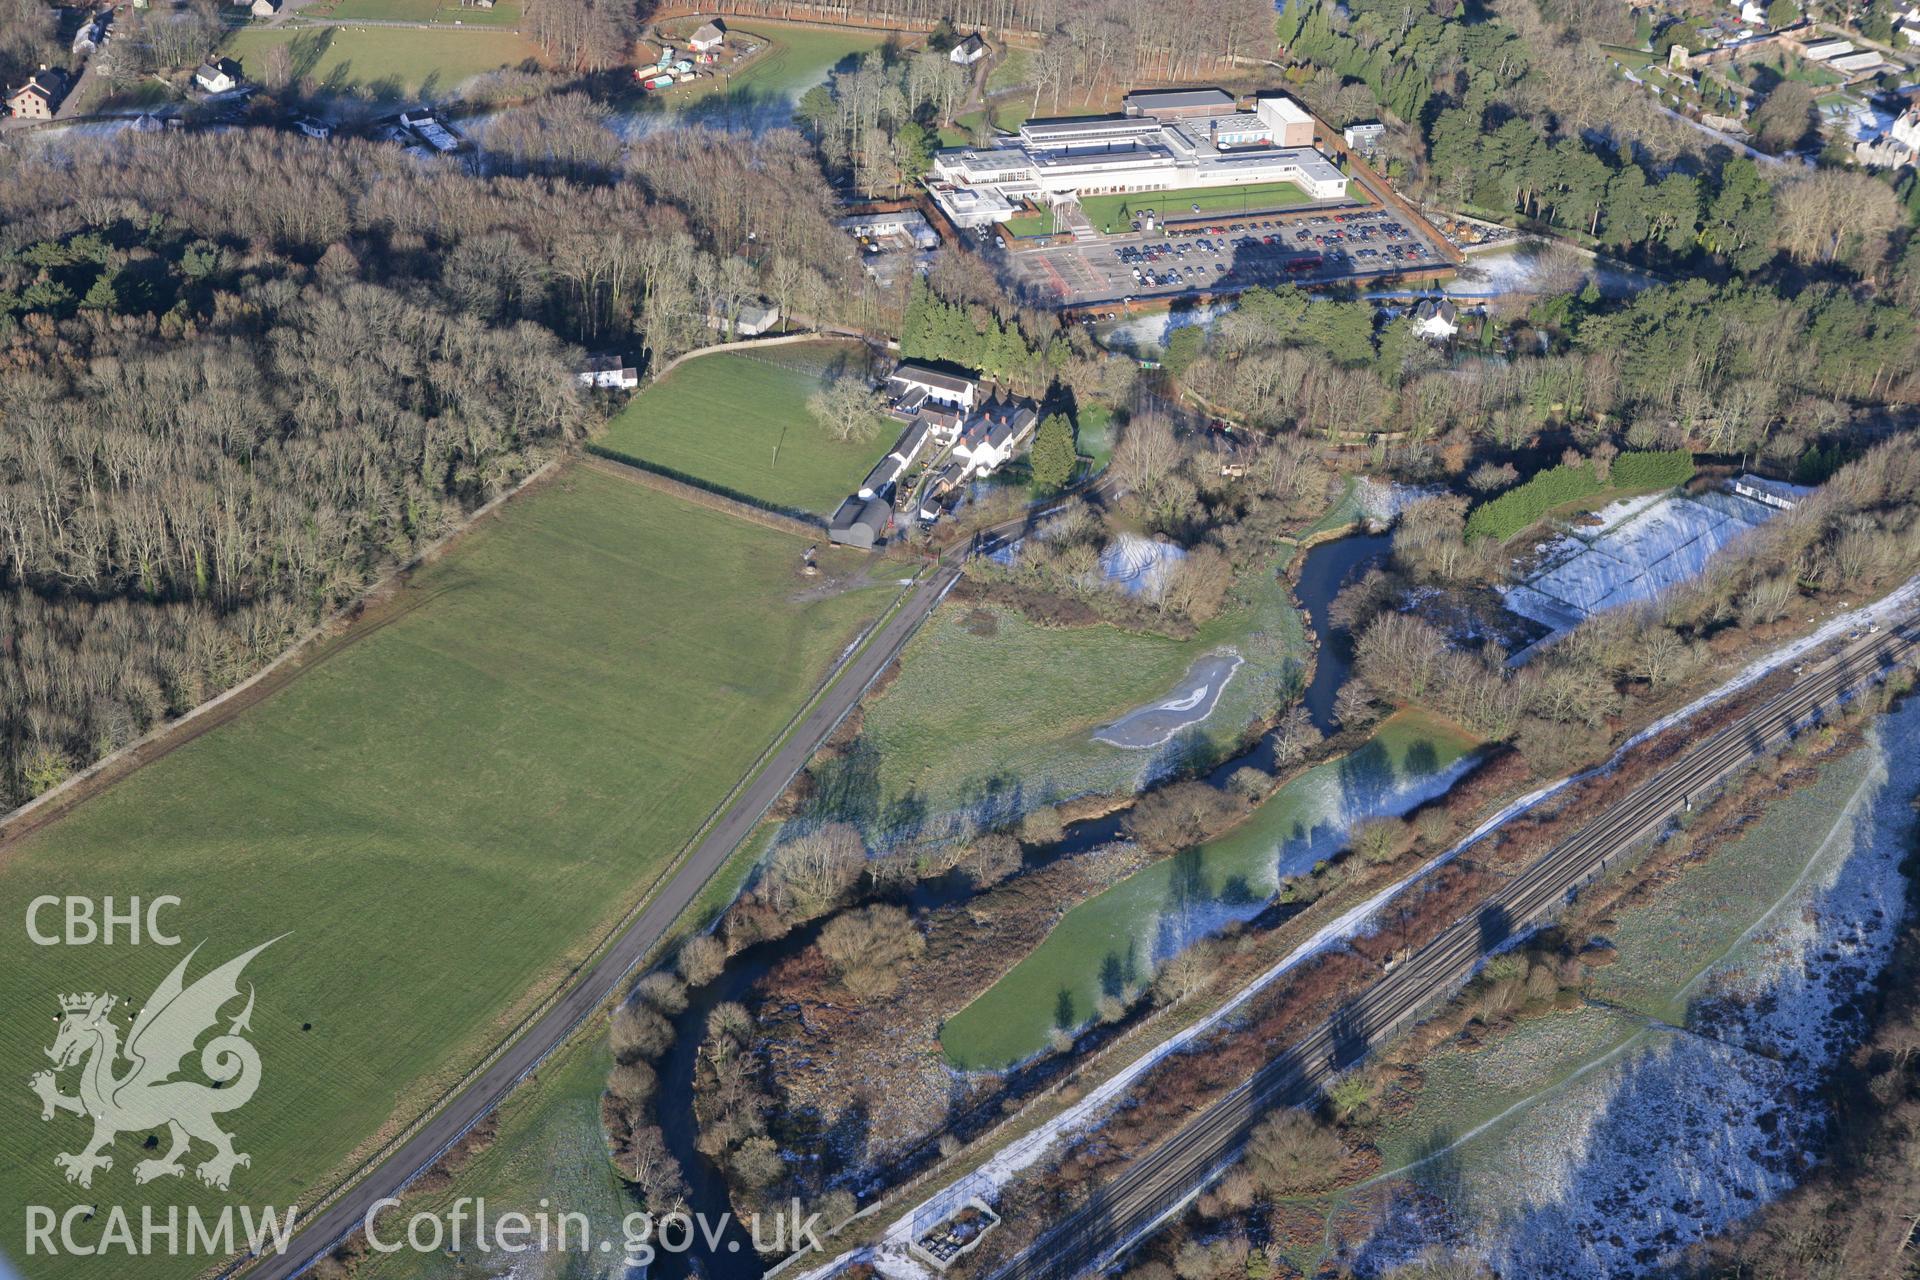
(1149, 1189)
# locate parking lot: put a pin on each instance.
(1225, 256)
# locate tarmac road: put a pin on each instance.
(348, 1213)
(1150, 1188)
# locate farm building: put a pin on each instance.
(709, 37)
(218, 75)
(912, 384)
(994, 435)
(860, 523)
(968, 51)
(40, 96)
(611, 371)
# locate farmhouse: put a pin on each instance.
(994, 435)
(912, 384)
(709, 37)
(311, 127)
(422, 124)
(218, 75)
(40, 96)
(608, 371)
(968, 51)
(1054, 162)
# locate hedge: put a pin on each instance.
(1524, 505)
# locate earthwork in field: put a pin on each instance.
(447, 815)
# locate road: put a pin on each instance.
(346, 1214)
(1152, 1187)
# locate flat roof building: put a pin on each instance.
(1179, 104)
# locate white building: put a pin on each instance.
(1060, 161)
(912, 384)
(1823, 50)
(609, 372)
(1365, 136)
(218, 75)
(968, 51)
(709, 37)
(1436, 320)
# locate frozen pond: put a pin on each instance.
(1120, 937)
(1140, 566)
(1191, 703)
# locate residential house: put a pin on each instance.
(913, 383)
(312, 127)
(218, 75)
(1435, 319)
(608, 371)
(1777, 494)
(755, 319)
(860, 523)
(421, 122)
(709, 37)
(92, 33)
(968, 51)
(994, 434)
(264, 8)
(40, 96)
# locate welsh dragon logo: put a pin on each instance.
(142, 1094)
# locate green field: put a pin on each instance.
(1112, 213)
(792, 59)
(1032, 224)
(738, 422)
(384, 62)
(506, 13)
(935, 755)
(442, 817)
(1118, 938)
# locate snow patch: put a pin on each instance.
(1139, 566)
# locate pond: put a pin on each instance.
(1327, 568)
(1120, 937)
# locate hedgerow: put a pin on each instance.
(1519, 507)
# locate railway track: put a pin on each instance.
(1149, 1189)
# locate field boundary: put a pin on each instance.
(713, 497)
(341, 627)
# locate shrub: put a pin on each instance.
(702, 959)
(632, 1082)
(638, 1031)
(872, 949)
(663, 991)
(991, 859)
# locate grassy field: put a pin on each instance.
(1032, 224)
(1112, 212)
(506, 13)
(442, 817)
(738, 421)
(1118, 938)
(935, 754)
(384, 62)
(1095, 436)
(792, 59)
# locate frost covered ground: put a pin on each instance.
(890, 1256)
(1140, 566)
(1680, 1131)
(1641, 547)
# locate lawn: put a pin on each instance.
(1094, 436)
(934, 757)
(443, 818)
(738, 422)
(504, 14)
(1039, 223)
(1117, 939)
(791, 61)
(1113, 212)
(385, 62)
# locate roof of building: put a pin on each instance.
(1056, 128)
(913, 371)
(971, 43)
(1173, 99)
(714, 30)
(884, 473)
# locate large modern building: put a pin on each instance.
(1168, 140)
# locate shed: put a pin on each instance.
(710, 36)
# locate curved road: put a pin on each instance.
(455, 1117)
(1152, 1187)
